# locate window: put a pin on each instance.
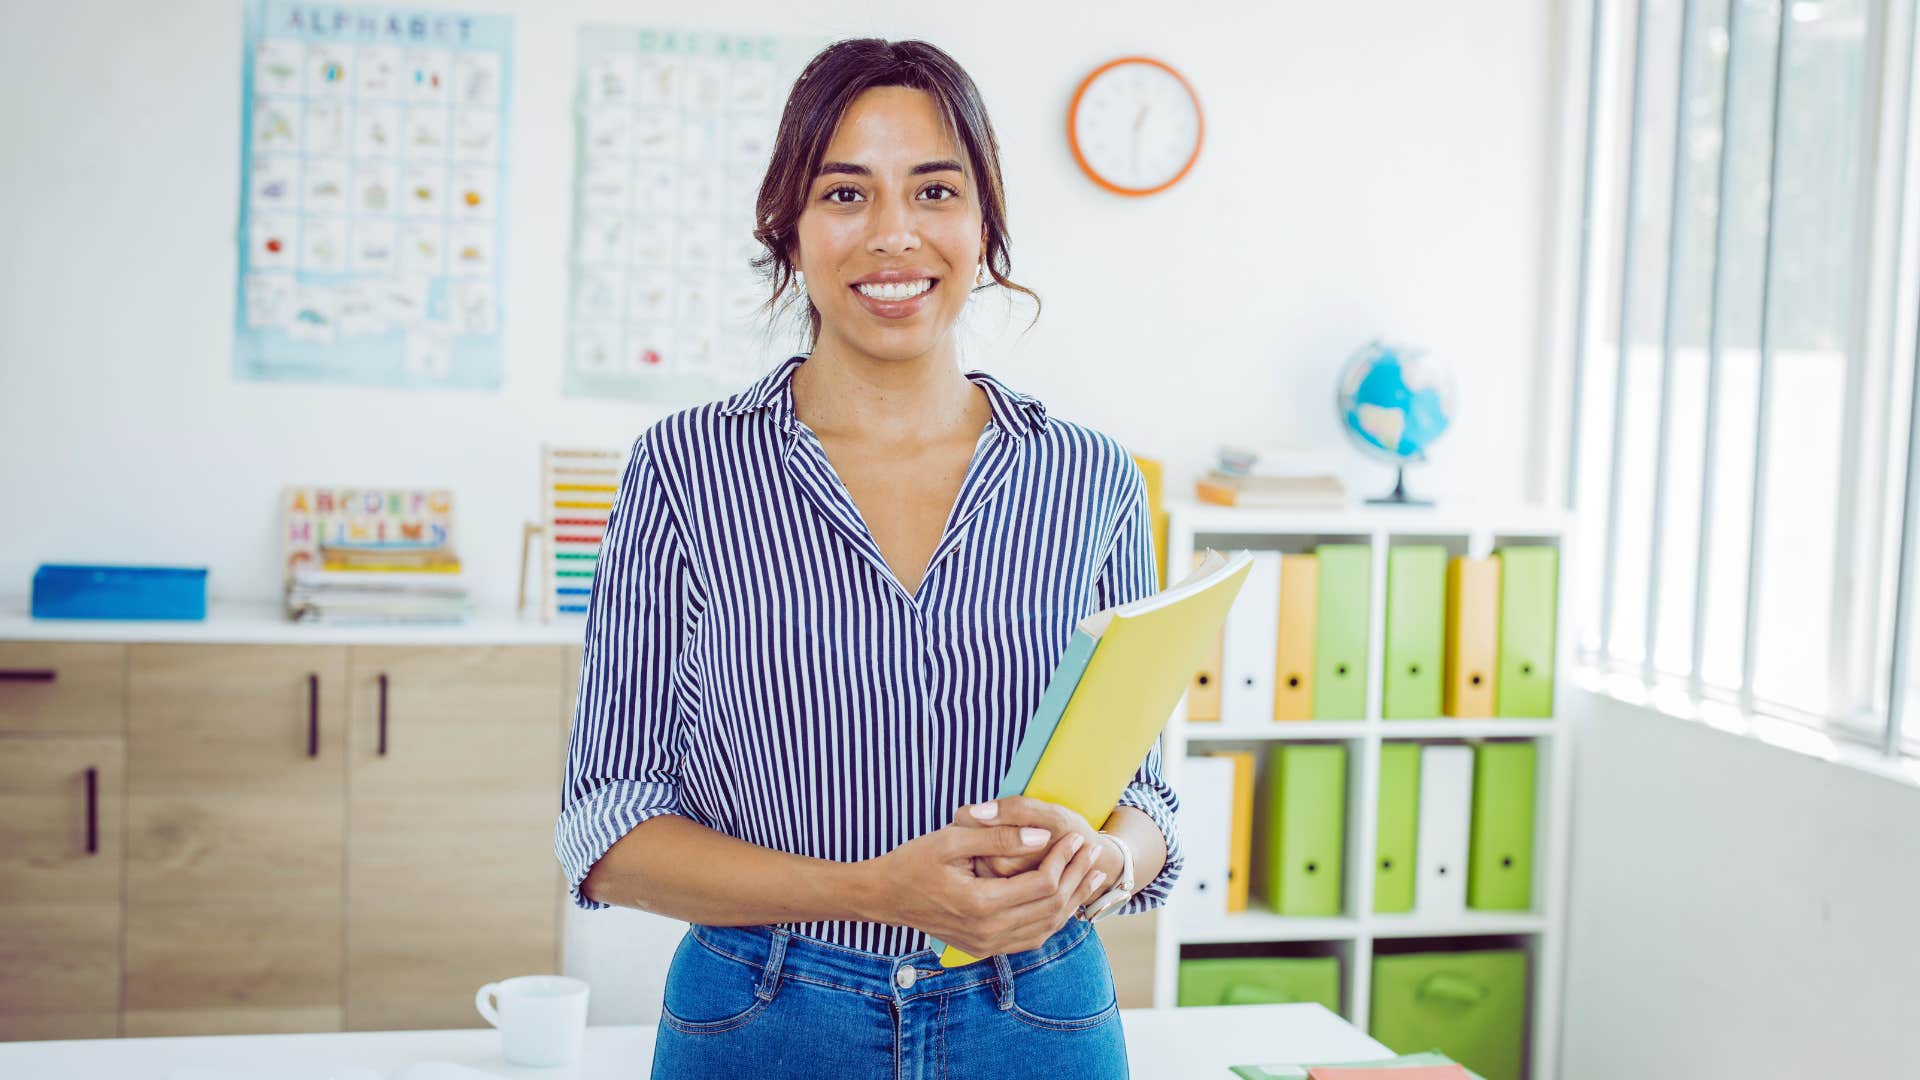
(1743, 357)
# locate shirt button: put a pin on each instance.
(904, 978)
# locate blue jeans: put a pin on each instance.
(763, 1002)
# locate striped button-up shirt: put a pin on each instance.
(753, 664)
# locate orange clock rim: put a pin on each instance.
(1073, 133)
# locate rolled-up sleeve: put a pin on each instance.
(1131, 573)
(628, 729)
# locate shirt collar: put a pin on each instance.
(1015, 412)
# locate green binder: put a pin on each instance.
(1261, 980)
(1416, 631)
(1470, 1006)
(1307, 806)
(1393, 873)
(1340, 644)
(1529, 587)
(1500, 852)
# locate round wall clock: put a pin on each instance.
(1135, 126)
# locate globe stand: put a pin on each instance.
(1399, 496)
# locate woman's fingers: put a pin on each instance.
(1045, 914)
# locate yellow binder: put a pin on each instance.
(1473, 635)
(1133, 663)
(1152, 473)
(1203, 695)
(1240, 857)
(1299, 612)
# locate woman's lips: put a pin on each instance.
(895, 309)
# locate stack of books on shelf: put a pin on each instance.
(372, 557)
(358, 585)
(1271, 480)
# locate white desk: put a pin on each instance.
(1162, 1044)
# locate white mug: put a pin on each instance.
(542, 1018)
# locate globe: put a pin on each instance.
(1393, 404)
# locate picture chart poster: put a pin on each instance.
(675, 130)
(373, 195)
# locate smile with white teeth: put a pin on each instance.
(896, 290)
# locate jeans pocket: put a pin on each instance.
(1069, 991)
(708, 992)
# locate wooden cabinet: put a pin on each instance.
(62, 778)
(454, 769)
(236, 825)
(62, 688)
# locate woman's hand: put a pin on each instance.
(929, 883)
(1036, 813)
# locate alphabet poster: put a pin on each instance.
(675, 130)
(373, 195)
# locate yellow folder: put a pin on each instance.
(1473, 635)
(1152, 473)
(1203, 696)
(1127, 667)
(1240, 857)
(1299, 614)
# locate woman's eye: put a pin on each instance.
(951, 193)
(829, 196)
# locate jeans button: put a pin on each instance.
(904, 978)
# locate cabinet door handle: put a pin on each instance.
(93, 810)
(383, 714)
(313, 715)
(28, 675)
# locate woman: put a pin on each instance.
(824, 611)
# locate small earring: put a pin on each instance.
(980, 275)
(799, 281)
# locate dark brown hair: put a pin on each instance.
(820, 97)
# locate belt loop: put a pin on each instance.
(1003, 981)
(776, 956)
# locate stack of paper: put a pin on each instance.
(403, 587)
(1271, 479)
(1428, 1066)
(382, 556)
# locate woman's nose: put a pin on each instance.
(892, 229)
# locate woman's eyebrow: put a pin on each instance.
(851, 169)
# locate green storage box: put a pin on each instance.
(1261, 980)
(1471, 1006)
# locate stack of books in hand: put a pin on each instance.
(361, 585)
(1271, 480)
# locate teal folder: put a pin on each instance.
(1500, 853)
(1307, 804)
(1340, 646)
(1416, 631)
(1393, 871)
(1529, 587)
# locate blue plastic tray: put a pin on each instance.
(119, 592)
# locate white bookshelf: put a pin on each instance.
(1541, 932)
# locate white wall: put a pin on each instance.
(1370, 167)
(1738, 909)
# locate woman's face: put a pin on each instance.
(891, 234)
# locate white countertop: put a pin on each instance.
(231, 622)
(1162, 1044)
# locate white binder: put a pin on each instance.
(1206, 835)
(1446, 800)
(1252, 642)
